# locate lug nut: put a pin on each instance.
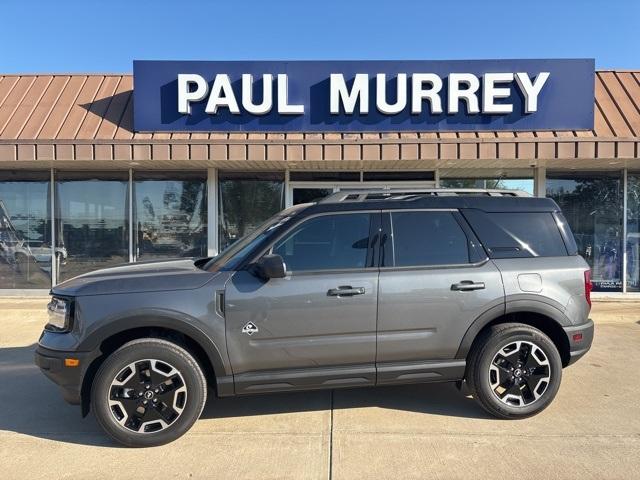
(147, 387)
(145, 402)
(156, 390)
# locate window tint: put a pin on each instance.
(536, 233)
(428, 238)
(517, 234)
(327, 242)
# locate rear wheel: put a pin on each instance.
(148, 392)
(514, 371)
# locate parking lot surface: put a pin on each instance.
(591, 430)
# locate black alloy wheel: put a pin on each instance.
(147, 396)
(520, 373)
(148, 392)
(514, 370)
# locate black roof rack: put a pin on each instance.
(416, 194)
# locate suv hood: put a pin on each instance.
(151, 276)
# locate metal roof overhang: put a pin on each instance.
(85, 122)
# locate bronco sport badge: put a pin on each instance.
(250, 328)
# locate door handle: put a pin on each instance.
(467, 285)
(345, 291)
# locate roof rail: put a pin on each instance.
(360, 195)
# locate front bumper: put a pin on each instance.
(580, 338)
(69, 379)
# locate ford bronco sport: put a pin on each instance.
(359, 289)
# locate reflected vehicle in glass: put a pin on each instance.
(19, 253)
(484, 288)
(170, 215)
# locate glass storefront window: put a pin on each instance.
(592, 204)
(92, 223)
(245, 201)
(524, 184)
(170, 215)
(633, 232)
(25, 230)
(310, 194)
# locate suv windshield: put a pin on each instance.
(234, 254)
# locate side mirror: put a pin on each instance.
(271, 266)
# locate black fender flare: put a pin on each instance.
(171, 321)
(513, 304)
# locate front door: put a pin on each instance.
(317, 326)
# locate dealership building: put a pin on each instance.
(183, 158)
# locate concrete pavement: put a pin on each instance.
(591, 431)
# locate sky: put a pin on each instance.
(105, 37)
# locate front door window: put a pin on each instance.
(328, 242)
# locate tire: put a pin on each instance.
(506, 381)
(166, 410)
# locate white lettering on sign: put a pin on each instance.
(463, 86)
(490, 92)
(419, 93)
(486, 94)
(283, 95)
(267, 94)
(531, 90)
(339, 93)
(222, 96)
(381, 94)
(186, 94)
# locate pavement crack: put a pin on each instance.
(330, 472)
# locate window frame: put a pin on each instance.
(475, 249)
(372, 255)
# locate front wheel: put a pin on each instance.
(148, 392)
(514, 371)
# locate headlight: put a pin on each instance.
(60, 315)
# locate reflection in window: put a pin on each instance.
(25, 230)
(633, 232)
(92, 220)
(306, 195)
(592, 205)
(245, 201)
(327, 242)
(428, 238)
(170, 215)
(524, 184)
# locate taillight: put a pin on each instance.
(588, 286)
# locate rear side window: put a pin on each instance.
(517, 234)
(428, 238)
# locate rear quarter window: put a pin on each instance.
(517, 234)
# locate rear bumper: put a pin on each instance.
(580, 338)
(69, 379)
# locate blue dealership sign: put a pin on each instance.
(360, 96)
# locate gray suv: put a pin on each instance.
(363, 288)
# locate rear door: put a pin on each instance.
(317, 326)
(435, 280)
